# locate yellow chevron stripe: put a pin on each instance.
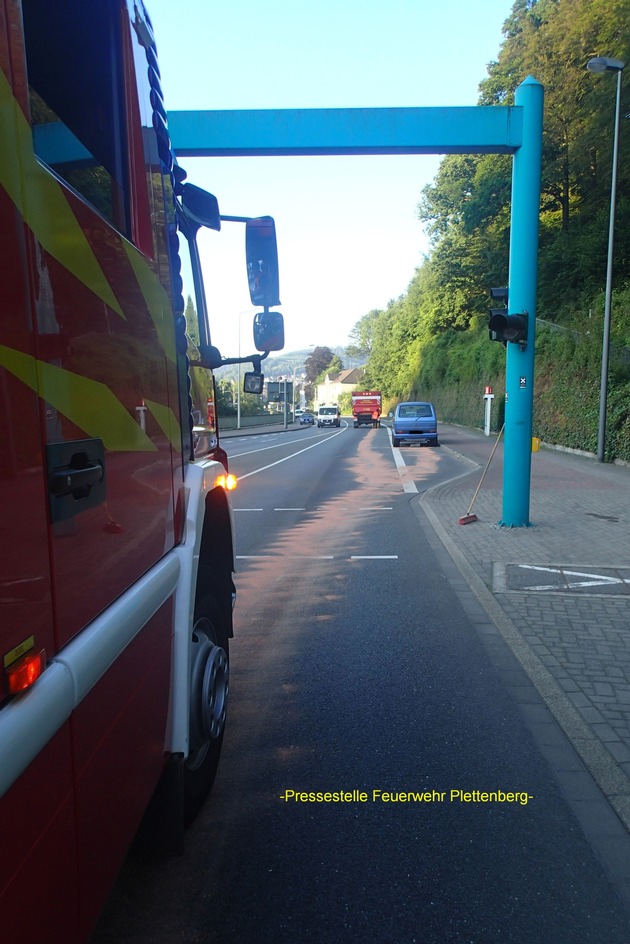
(88, 403)
(167, 421)
(57, 228)
(156, 298)
(42, 203)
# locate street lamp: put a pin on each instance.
(602, 64)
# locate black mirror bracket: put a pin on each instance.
(211, 359)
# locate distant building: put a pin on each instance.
(335, 384)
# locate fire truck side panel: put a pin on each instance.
(105, 351)
(108, 525)
(25, 586)
(115, 780)
(88, 379)
(38, 869)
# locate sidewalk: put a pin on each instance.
(259, 430)
(558, 591)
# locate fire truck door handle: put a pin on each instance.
(76, 477)
(75, 482)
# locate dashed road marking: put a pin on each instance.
(315, 508)
(374, 557)
(318, 557)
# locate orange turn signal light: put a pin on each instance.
(23, 673)
(226, 481)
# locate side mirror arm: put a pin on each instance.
(211, 359)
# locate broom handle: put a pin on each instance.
(486, 469)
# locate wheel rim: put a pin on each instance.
(209, 686)
(215, 692)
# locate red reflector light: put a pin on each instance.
(25, 671)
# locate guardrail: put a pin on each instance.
(265, 419)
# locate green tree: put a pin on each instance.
(335, 366)
(316, 362)
(192, 325)
(362, 335)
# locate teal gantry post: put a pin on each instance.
(519, 369)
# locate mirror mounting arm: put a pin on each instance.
(254, 359)
(211, 359)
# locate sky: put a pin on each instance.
(349, 238)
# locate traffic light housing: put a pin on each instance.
(503, 326)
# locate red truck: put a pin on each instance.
(364, 403)
(117, 553)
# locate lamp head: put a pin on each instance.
(602, 64)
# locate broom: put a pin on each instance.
(468, 518)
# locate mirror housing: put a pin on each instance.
(268, 331)
(200, 208)
(253, 382)
(261, 252)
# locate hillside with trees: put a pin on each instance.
(432, 342)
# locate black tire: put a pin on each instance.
(209, 688)
(395, 441)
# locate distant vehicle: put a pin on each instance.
(329, 415)
(298, 413)
(364, 404)
(415, 422)
(307, 419)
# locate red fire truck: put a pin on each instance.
(116, 578)
(365, 403)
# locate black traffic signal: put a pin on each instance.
(503, 326)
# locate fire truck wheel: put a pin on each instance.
(209, 684)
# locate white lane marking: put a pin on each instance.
(281, 442)
(374, 557)
(278, 556)
(317, 557)
(407, 483)
(595, 580)
(342, 508)
(264, 468)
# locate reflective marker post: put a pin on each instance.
(488, 397)
(519, 370)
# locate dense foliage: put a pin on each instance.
(432, 342)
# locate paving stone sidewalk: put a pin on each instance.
(559, 590)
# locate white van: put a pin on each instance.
(328, 416)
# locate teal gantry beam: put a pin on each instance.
(311, 131)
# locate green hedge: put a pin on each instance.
(457, 366)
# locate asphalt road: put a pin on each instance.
(358, 672)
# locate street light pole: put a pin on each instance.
(602, 64)
(238, 381)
